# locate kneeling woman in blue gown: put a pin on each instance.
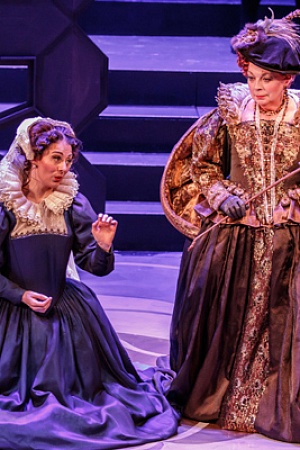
(65, 379)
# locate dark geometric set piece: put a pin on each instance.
(67, 72)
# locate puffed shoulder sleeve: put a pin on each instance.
(207, 160)
(198, 167)
(183, 182)
(8, 290)
(87, 253)
(209, 152)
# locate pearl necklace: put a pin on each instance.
(269, 208)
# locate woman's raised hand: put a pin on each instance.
(104, 230)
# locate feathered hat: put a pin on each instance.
(271, 44)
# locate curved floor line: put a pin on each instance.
(129, 346)
(161, 266)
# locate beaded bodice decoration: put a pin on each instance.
(262, 166)
(266, 151)
(32, 218)
(222, 154)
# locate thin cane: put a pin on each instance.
(246, 203)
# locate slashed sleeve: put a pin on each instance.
(207, 160)
(194, 181)
(194, 160)
(8, 290)
(87, 253)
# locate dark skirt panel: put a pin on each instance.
(67, 382)
(279, 410)
(208, 316)
(215, 286)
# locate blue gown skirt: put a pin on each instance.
(66, 381)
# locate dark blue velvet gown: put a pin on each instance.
(65, 379)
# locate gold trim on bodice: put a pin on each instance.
(194, 173)
(32, 218)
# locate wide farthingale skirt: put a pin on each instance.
(235, 336)
(67, 382)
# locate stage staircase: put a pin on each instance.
(166, 59)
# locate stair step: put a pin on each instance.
(167, 53)
(134, 208)
(143, 226)
(140, 133)
(172, 17)
(127, 159)
(130, 176)
(164, 70)
(167, 88)
(168, 70)
(154, 111)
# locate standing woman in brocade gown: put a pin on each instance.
(65, 379)
(235, 330)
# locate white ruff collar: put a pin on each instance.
(14, 199)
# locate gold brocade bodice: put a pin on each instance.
(194, 178)
(252, 170)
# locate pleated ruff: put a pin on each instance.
(235, 331)
(67, 382)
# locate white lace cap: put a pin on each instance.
(21, 140)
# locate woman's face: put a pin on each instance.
(267, 88)
(56, 161)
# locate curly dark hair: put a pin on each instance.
(47, 131)
(43, 133)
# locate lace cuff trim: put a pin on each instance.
(216, 195)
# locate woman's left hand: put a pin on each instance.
(104, 230)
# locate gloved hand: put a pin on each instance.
(234, 207)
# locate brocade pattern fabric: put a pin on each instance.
(234, 329)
